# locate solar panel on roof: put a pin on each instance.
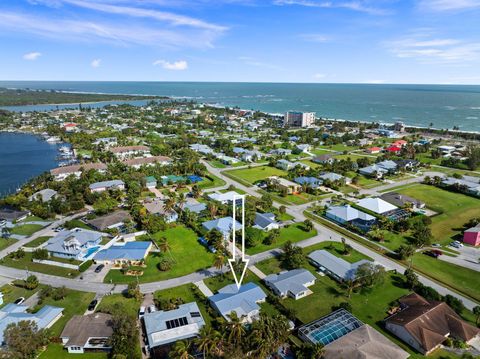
(195, 315)
(175, 323)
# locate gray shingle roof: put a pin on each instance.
(336, 265)
(293, 281)
(242, 301)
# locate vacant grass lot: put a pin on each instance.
(5, 242)
(294, 233)
(460, 278)
(26, 263)
(74, 303)
(455, 210)
(12, 292)
(37, 241)
(26, 229)
(187, 254)
(251, 175)
(211, 182)
(129, 305)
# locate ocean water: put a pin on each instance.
(444, 106)
(23, 156)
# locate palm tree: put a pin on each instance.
(196, 192)
(235, 328)
(219, 261)
(476, 311)
(165, 246)
(349, 286)
(212, 208)
(181, 200)
(181, 350)
(317, 351)
(169, 204)
(208, 341)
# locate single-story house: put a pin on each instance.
(280, 152)
(469, 184)
(407, 164)
(12, 313)
(265, 221)
(334, 177)
(194, 206)
(150, 182)
(244, 301)
(203, 149)
(77, 243)
(223, 225)
(166, 327)
(284, 184)
(226, 198)
(425, 324)
(12, 215)
(379, 169)
(45, 195)
(346, 214)
(364, 342)
(107, 186)
(157, 206)
(129, 253)
(285, 165)
(292, 283)
(401, 200)
(148, 161)
(112, 220)
(373, 150)
(324, 159)
(88, 333)
(376, 205)
(303, 148)
(336, 267)
(311, 182)
(472, 236)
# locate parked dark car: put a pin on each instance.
(99, 268)
(92, 304)
(438, 252)
(431, 254)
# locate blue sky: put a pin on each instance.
(364, 41)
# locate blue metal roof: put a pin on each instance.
(129, 251)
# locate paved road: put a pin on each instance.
(324, 234)
(47, 231)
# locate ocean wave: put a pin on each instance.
(450, 108)
(475, 108)
(471, 118)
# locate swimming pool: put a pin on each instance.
(91, 251)
(329, 328)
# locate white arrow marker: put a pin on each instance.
(233, 260)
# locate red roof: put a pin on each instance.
(71, 124)
(399, 143)
(374, 149)
(394, 149)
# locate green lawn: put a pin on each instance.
(294, 233)
(187, 293)
(217, 164)
(33, 219)
(37, 241)
(455, 210)
(272, 265)
(26, 263)
(460, 278)
(76, 223)
(5, 242)
(188, 255)
(251, 175)
(338, 147)
(56, 351)
(363, 181)
(130, 305)
(393, 240)
(321, 151)
(26, 229)
(211, 183)
(75, 303)
(12, 292)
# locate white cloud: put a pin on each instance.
(119, 34)
(176, 65)
(250, 61)
(96, 63)
(358, 5)
(320, 38)
(32, 56)
(449, 5)
(319, 76)
(426, 49)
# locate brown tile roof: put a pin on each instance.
(364, 342)
(76, 168)
(108, 220)
(122, 149)
(147, 160)
(82, 327)
(430, 322)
